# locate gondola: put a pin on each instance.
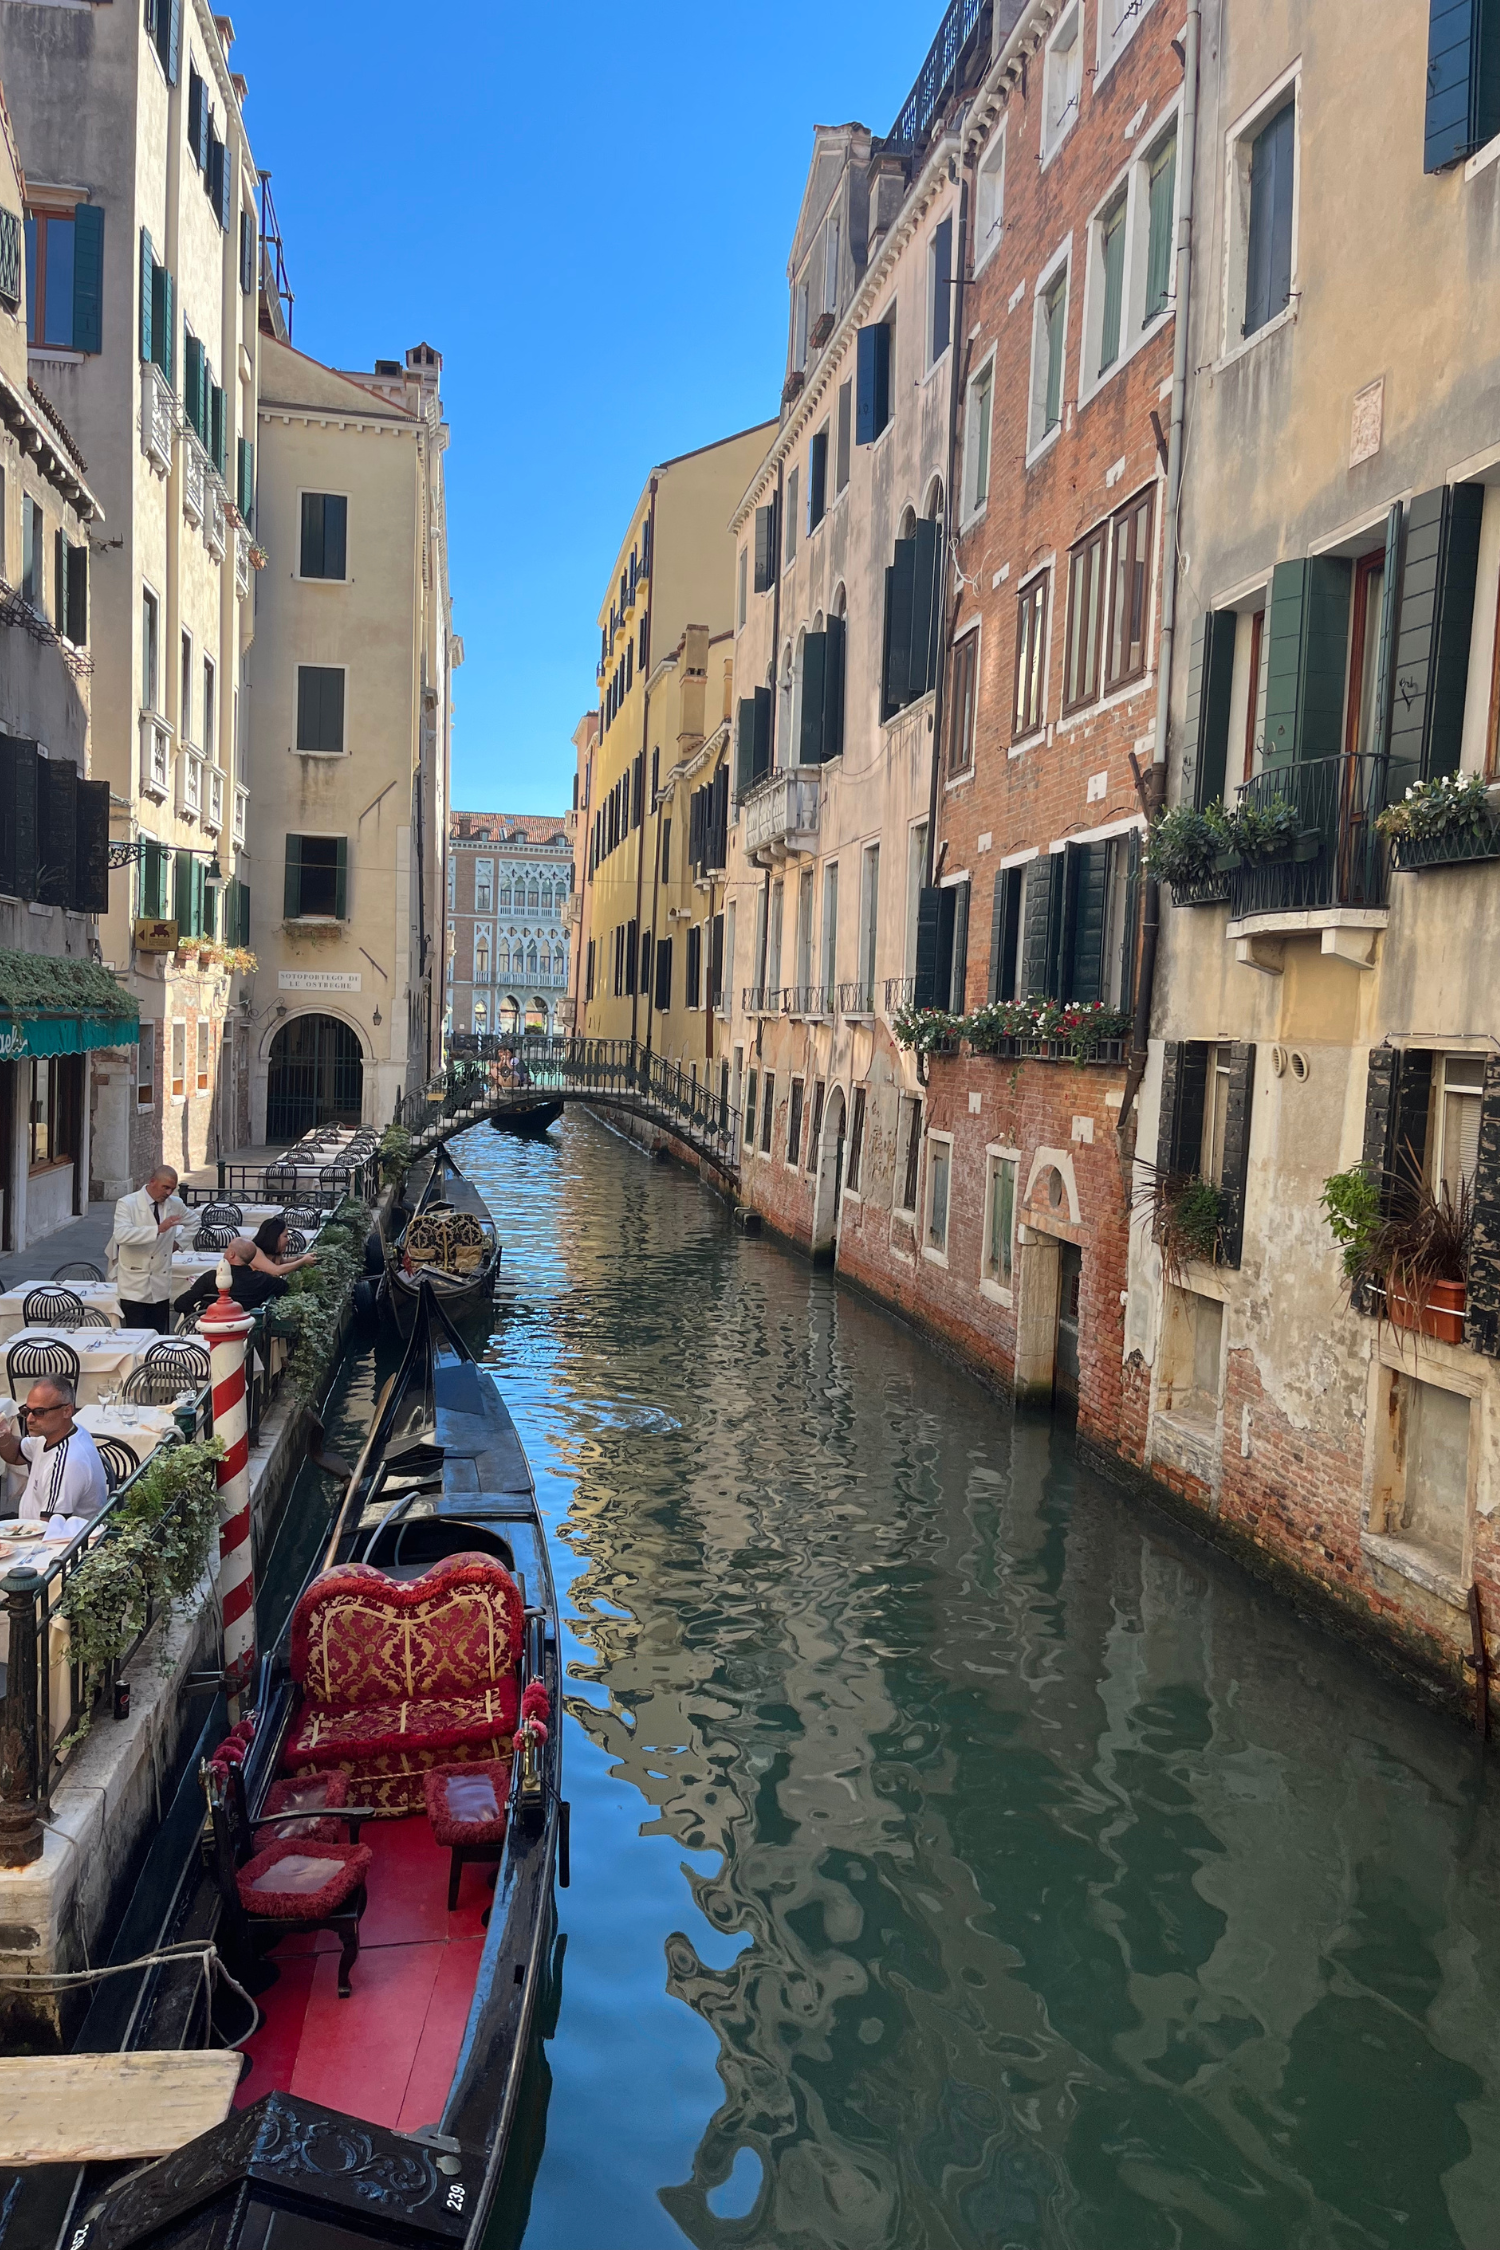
(449, 1241)
(530, 1122)
(385, 2114)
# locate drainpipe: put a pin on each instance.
(1151, 786)
(640, 850)
(655, 903)
(950, 515)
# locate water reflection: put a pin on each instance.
(959, 1859)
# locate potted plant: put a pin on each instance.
(1259, 834)
(1184, 849)
(1186, 1216)
(1405, 1247)
(1442, 821)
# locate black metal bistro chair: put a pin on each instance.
(296, 1242)
(186, 1355)
(35, 1356)
(78, 1270)
(52, 1308)
(215, 1238)
(120, 1460)
(94, 1318)
(221, 1215)
(301, 1215)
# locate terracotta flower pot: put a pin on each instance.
(1441, 1315)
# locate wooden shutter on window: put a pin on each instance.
(942, 294)
(765, 548)
(1236, 1150)
(1436, 618)
(1085, 901)
(1308, 659)
(335, 534)
(192, 382)
(958, 946)
(245, 479)
(292, 903)
(216, 427)
(1482, 1319)
(91, 849)
(1385, 653)
(1184, 1086)
(1005, 933)
(899, 596)
(1398, 1097)
(57, 831)
(147, 294)
(926, 611)
(78, 594)
(341, 879)
(1463, 82)
(18, 817)
(814, 688)
(924, 985)
(195, 118)
(1038, 942)
(744, 745)
(872, 383)
(716, 961)
(664, 974)
(88, 278)
(182, 893)
(1210, 680)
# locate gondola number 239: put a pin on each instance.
(456, 2196)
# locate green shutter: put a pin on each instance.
(78, 594)
(1038, 946)
(147, 293)
(244, 922)
(88, 278)
(1112, 247)
(929, 918)
(1438, 575)
(192, 381)
(216, 426)
(164, 323)
(900, 581)
(341, 880)
(814, 683)
(199, 892)
(744, 745)
(833, 689)
(292, 904)
(1163, 191)
(1463, 81)
(1308, 659)
(1085, 899)
(182, 893)
(1210, 680)
(91, 849)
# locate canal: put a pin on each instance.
(962, 1859)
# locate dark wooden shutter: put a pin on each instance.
(1385, 652)
(1380, 1095)
(243, 937)
(664, 974)
(245, 479)
(744, 745)
(762, 760)
(335, 534)
(833, 689)
(632, 956)
(57, 831)
(195, 117)
(765, 548)
(1463, 82)
(926, 609)
(147, 294)
(216, 426)
(222, 196)
(1436, 618)
(814, 688)
(716, 961)
(18, 817)
(247, 253)
(192, 381)
(91, 850)
(311, 564)
(88, 278)
(78, 594)
(896, 666)
(942, 294)
(1005, 933)
(1038, 946)
(958, 946)
(292, 905)
(1085, 902)
(341, 879)
(1210, 680)
(1184, 1086)
(200, 893)
(169, 36)
(924, 987)
(1308, 659)
(1268, 260)
(1171, 1092)
(872, 383)
(1482, 1320)
(1398, 1098)
(182, 893)
(1236, 1150)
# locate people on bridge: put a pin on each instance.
(141, 1247)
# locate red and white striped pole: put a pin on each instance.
(225, 1326)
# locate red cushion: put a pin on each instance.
(362, 1639)
(328, 1736)
(393, 1785)
(304, 1793)
(318, 1879)
(466, 1804)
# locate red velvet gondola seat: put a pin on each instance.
(303, 1793)
(399, 1676)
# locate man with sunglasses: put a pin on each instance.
(67, 1476)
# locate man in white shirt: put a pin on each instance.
(67, 1476)
(145, 1236)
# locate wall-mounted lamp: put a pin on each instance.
(376, 1017)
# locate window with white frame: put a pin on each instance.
(964, 704)
(1048, 350)
(1031, 657)
(1261, 234)
(1130, 259)
(1119, 20)
(939, 290)
(939, 1174)
(989, 211)
(1062, 79)
(978, 428)
(484, 886)
(997, 1260)
(482, 955)
(799, 325)
(1455, 1150)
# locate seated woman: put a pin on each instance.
(269, 1245)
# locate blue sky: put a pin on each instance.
(588, 212)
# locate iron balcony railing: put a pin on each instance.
(1337, 856)
(856, 999)
(941, 71)
(900, 992)
(809, 999)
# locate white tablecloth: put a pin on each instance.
(105, 1356)
(102, 1295)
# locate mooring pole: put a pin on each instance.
(226, 1326)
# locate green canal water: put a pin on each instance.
(962, 1860)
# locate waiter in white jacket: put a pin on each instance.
(145, 1236)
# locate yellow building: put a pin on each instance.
(670, 595)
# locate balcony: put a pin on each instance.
(241, 816)
(212, 813)
(195, 475)
(158, 418)
(781, 815)
(189, 784)
(809, 1000)
(1330, 877)
(214, 524)
(857, 999)
(241, 561)
(156, 756)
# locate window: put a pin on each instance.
(185, 691)
(815, 1126)
(64, 278)
(10, 259)
(481, 1016)
(150, 644)
(773, 937)
(320, 709)
(317, 878)
(1455, 1154)
(145, 1067)
(752, 1086)
(845, 428)
(742, 587)
(202, 1058)
(1031, 656)
(481, 956)
(1062, 81)
(804, 933)
(1117, 24)
(831, 266)
(875, 355)
(939, 291)
(799, 325)
(1112, 280)
(830, 931)
(791, 515)
(1047, 354)
(693, 980)
(325, 525)
(726, 987)
(1085, 620)
(1129, 591)
(1421, 1494)
(978, 419)
(768, 1113)
(908, 1151)
(1362, 699)
(210, 706)
(43, 1113)
(33, 549)
(965, 704)
(869, 918)
(794, 1123)
(1218, 1076)
(999, 1221)
(939, 1170)
(1265, 165)
(179, 1061)
(1161, 197)
(1190, 1379)
(856, 1142)
(817, 480)
(452, 882)
(484, 885)
(989, 217)
(916, 871)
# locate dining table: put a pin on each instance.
(106, 1356)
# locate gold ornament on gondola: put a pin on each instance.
(447, 1241)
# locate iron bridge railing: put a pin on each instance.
(490, 1074)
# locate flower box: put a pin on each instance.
(1209, 890)
(1439, 1314)
(1408, 853)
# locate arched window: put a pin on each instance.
(547, 896)
(481, 960)
(502, 897)
(559, 964)
(533, 896)
(934, 508)
(839, 607)
(908, 524)
(502, 960)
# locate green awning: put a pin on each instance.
(47, 1033)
